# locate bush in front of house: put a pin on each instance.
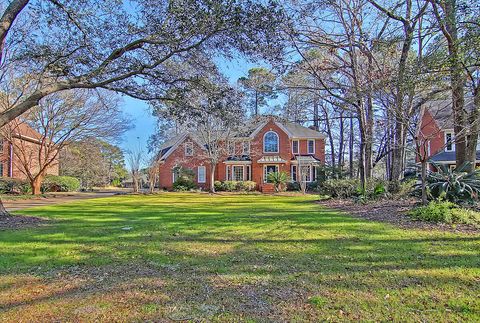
(183, 184)
(340, 188)
(279, 180)
(441, 211)
(185, 181)
(12, 185)
(351, 188)
(293, 186)
(455, 185)
(234, 186)
(60, 184)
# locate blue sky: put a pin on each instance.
(144, 122)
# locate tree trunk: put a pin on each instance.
(212, 177)
(472, 140)
(341, 145)
(424, 181)
(36, 185)
(350, 149)
(3, 210)
(316, 124)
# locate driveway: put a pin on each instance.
(57, 198)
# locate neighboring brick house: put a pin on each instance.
(269, 146)
(436, 129)
(28, 140)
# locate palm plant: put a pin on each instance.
(456, 185)
(279, 180)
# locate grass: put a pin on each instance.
(184, 256)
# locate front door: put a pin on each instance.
(267, 170)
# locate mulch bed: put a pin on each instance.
(394, 212)
(13, 222)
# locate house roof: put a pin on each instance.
(298, 131)
(306, 159)
(441, 111)
(447, 156)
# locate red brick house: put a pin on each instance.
(436, 130)
(269, 146)
(26, 139)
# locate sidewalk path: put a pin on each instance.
(55, 198)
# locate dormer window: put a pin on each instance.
(189, 148)
(311, 146)
(449, 146)
(270, 142)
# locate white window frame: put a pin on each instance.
(452, 141)
(246, 144)
(291, 173)
(278, 142)
(248, 172)
(308, 147)
(173, 174)
(233, 173)
(298, 147)
(199, 179)
(227, 173)
(188, 145)
(265, 175)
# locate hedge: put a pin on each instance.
(60, 184)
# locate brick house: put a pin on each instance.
(270, 145)
(27, 140)
(436, 129)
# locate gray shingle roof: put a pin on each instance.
(447, 156)
(298, 131)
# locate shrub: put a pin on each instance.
(185, 180)
(445, 212)
(340, 188)
(293, 186)
(314, 186)
(457, 185)
(219, 186)
(11, 185)
(279, 179)
(184, 184)
(60, 184)
(230, 186)
(247, 186)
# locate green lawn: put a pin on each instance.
(231, 258)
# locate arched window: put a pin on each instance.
(270, 142)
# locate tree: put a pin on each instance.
(94, 162)
(260, 85)
(211, 111)
(135, 160)
(458, 23)
(152, 173)
(141, 50)
(59, 120)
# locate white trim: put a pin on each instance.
(258, 129)
(298, 146)
(278, 142)
(291, 173)
(308, 146)
(236, 162)
(204, 174)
